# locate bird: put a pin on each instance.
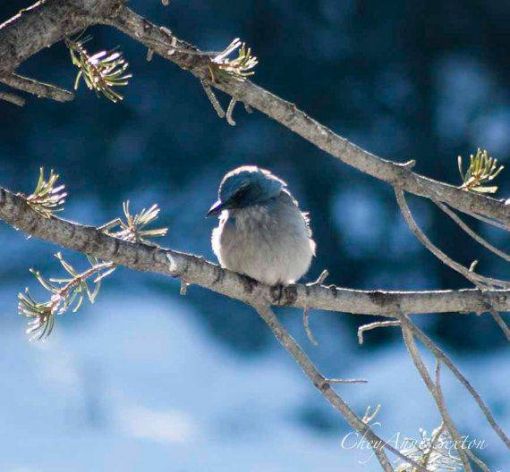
(262, 232)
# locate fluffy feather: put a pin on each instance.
(267, 240)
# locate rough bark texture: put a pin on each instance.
(48, 22)
(40, 89)
(196, 270)
(43, 24)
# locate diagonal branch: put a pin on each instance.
(433, 388)
(40, 89)
(300, 123)
(478, 280)
(442, 406)
(443, 357)
(54, 19)
(324, 386)
(473, 234)
(12, 98)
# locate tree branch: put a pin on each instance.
(299, 122)
(12, 98)
(49, 21)
(443, 357)
(473, 234)
(468, 273)
(43, 24)
(195, 270)
(54, 19)
(434, 389)
(324, 386)
(40, 89)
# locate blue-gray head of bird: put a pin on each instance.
(244, 187)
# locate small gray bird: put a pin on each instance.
(262, 232)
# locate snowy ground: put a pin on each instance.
(134, 389)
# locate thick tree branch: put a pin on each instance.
(48, 22)
(195, 270)
(43, 24)
(299, 122)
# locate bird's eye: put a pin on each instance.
(240, 194)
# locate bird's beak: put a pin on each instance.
(216, 209)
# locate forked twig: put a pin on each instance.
(230, 111)
(408, 337)
(477, 279)
(441, 355)
(471, 232)
(306, 312)
(322, 384)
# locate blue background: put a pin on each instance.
(148, 380)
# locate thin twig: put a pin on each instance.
(320, 280)
(440, 354)
(481, 464)
(472, 233)
(346, 381)
(306, 311)
(40, 89)
(376, 324)
(422, 369)
(440, 398)
(213, 99)
(477, 279)
(12, 98)
(489, 221)
(308, 330)
(306, 323)
(500, 322)
(184, 287)
(230, 111)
